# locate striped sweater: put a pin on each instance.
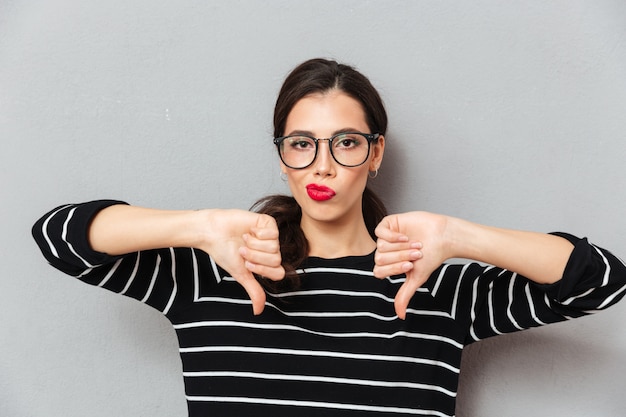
(334, 346)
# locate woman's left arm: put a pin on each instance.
(416, 243)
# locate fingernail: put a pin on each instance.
(416, 254)
(407, 266)
(416, 245)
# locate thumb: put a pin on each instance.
(254, 289)
(406, 293)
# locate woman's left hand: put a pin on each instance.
(412, 243)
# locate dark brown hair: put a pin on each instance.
(318, 76)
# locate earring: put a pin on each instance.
(369, 174)
(283, 176)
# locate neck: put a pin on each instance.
(337, 239)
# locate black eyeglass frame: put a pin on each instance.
(370, 137)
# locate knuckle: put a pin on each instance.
(377, 256)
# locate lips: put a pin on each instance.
(320, 192)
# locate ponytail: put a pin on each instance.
(374, 211)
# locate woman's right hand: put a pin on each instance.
(243, 243)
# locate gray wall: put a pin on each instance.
(506, 113)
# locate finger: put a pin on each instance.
(274, 273)
(389, 229)
(272, 260)
(383, 245)
(266, 228)
(389, 258)
(405, 294)
(263, 245)
(401, 302)
(254, 289)
(390, 235)
(384, 271)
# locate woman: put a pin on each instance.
(324, 338)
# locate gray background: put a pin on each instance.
(505, 113)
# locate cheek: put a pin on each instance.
(294, 181)
(357, 178)
(354, 177)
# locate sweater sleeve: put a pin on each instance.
(159, 278)
(488, 301)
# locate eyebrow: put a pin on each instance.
(336, 132)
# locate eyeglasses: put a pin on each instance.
(349, 149)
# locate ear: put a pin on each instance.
(283, 167)
(378, 150)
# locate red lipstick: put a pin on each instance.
(320, 192)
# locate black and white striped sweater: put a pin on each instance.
(334, 346)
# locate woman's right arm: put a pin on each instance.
(241, 242)
(121, 229)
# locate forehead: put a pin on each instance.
(325, 113)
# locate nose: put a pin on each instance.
(324, 161)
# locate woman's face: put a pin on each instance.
(326, 191)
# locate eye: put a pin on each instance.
(301, 143)
(348, 141)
